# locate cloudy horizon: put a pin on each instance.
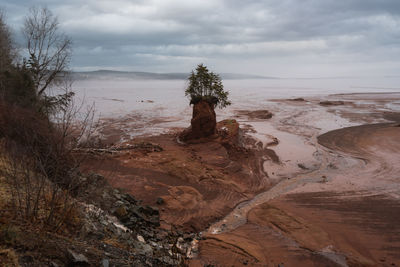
(282, 38)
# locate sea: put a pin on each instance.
(165, 99)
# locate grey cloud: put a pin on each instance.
(149, 34)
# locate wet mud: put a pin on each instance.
(342, 212)
(311, 185)
(198, 183)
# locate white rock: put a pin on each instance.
(141, 239)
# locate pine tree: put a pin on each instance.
(206, 86)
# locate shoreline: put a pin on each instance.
(193, 199)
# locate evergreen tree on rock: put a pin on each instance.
(206, 86)
(205, 91)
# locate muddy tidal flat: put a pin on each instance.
(302, 181)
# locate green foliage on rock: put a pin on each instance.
(206, 86)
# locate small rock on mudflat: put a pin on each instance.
(76, 259)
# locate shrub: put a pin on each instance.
(17, 87)
(40, 166)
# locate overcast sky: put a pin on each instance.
(285, 38)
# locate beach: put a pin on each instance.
(301, 175)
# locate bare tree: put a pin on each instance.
(49, 49)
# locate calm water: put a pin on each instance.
(166, 98)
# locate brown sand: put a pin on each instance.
(347, 217)
(336, 204)
(199, 183)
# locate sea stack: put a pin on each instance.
(203, 123)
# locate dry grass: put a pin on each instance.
(5, 195)
(66, 213)
(8, 258)
(115, 243)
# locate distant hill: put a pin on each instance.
(236, 76)
(107, 74)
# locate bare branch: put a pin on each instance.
(49, 49)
